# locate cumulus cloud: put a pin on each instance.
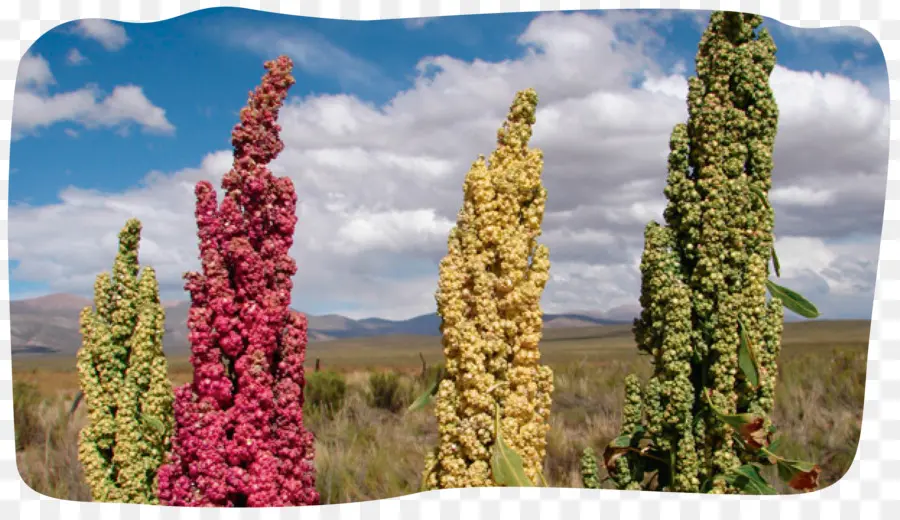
(112, 36)
(35, 107)
(34, 73)
(379, 186)
(74, 57)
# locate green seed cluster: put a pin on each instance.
(491, 281)
(705, 270)
(590, 472)
(123, 376)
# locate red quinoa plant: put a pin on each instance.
(239, 437)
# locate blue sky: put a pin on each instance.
(199, 67)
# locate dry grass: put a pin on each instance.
(367, 453)
(47, 446)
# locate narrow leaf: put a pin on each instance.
(426, 398)
(748, 478)
(737, 421)
(506, 465)
(769, 454)
(544, 482)
(792, 300)
(423, 401)
(746, 360)
(776, 263)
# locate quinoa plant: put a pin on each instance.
(239, 435)
(124, 380)
(701, 422)
(493, 401)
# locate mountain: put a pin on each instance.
(46, 324)
(49, 325)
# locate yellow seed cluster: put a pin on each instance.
(489, 294)
(706, 269)
(124, 378)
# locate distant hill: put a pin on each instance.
(49, 325)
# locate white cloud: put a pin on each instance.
(378, 187)
(393, 231)
(673, 85)
(74, 57)
(311, 53)
(801, 196)
(35, 108)
(112, 36)
(838, 277)
(34, 73)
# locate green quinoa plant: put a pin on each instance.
(493, 399)
(701, 422)
(124, 379)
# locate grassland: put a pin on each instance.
(365, 452)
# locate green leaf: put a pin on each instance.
(155, 423)
(764, 200)
(622, 441)
(746, 360)
(792, 300)
(426, 398)
(734, 420)
(748, 479)
(785, 472)
(507, 466)
(769, 454)
(748, 425)
(423, 400)
(776, 263)
(543, 479)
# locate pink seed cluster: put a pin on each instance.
(239, 438)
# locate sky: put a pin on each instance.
(114, 120)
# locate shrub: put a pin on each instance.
(239, 437)
(326, 391)
(387, 392)
(701, 422)
(124, 380)
(26, 401)
(495, 398)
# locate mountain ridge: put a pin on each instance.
(49, 324)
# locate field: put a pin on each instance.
(367, 452)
